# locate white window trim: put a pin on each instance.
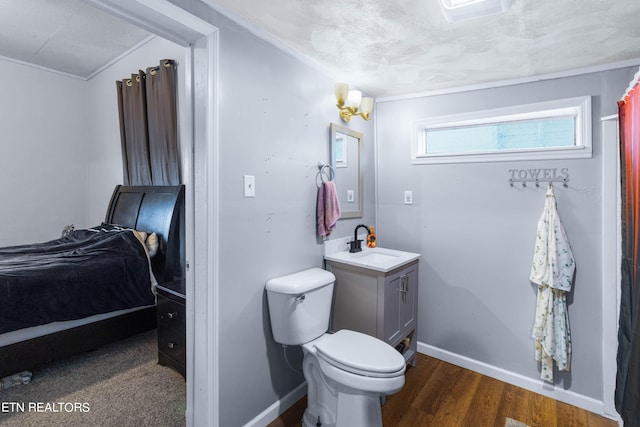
(580, 106)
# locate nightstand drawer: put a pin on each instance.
(171, 333)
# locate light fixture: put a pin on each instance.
(351, 103)
(458, 10)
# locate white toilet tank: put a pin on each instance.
(300, 305)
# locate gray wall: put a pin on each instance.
(274, 124)
(43, 153)
(476, 233)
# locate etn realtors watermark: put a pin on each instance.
(52, 407)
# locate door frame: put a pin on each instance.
(611, 259)
(199, 148)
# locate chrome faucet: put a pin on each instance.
(356, 245)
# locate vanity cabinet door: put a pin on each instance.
(408, 299)
(392, 307)
(400, 304)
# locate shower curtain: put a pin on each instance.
(627, 396)
(148, 126)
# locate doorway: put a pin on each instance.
(200, 39)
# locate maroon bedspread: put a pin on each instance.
(82, 274)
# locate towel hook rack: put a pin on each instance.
(538, 175)
(537, 181)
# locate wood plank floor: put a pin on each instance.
(440, 394)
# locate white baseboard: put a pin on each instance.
(272, 412)
(537, 386)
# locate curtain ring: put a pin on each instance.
(138, 78)
(128, 82)
(167, 63)
(152, 71)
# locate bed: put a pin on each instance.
(92, 286)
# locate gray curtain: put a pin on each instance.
(148, 126)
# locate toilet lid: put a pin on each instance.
(361, 354)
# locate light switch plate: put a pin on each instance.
(408, 197)
(351, 196)
(249, 186)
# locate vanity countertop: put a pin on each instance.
(378, 259)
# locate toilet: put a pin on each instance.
(347, 372)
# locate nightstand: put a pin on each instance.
(172, 343)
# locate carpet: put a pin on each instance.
(510, 422)
(120, 384)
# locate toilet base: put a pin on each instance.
(333, 404)
(353, 410)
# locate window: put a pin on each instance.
(549, 130)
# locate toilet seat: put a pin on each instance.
(360, 354)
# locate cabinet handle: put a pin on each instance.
(172, 315)
(171, 345)
(403, 282)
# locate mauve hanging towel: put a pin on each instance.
(328, 208)
(552, 270)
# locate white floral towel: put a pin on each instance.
(552, 270)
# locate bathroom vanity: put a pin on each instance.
(376, 292)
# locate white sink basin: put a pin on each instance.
(379, 259)
(375, 257)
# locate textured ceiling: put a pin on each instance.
(385, 47)
(69, 36)
(395, 47)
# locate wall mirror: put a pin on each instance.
(345, 160)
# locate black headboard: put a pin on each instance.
(158, 209)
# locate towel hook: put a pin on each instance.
(537, 181)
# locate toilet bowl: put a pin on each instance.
(347, 372)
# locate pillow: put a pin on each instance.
(151, 242)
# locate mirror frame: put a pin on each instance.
(334, 127)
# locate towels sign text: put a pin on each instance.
(546, 174)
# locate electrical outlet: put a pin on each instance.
(350, 196)
(408, 197)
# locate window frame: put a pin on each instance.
(580, 107)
